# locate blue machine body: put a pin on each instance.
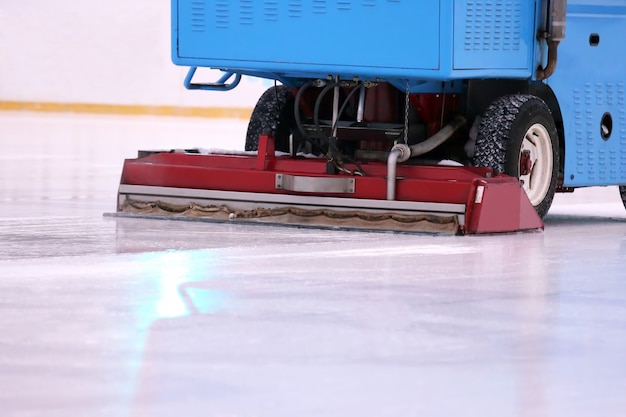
(434, 46)
(389, 39)
(590, 82)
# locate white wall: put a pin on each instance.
(98, 51)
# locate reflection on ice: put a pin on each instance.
(155, 318)
(179, 288)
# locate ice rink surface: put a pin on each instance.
(131, 317)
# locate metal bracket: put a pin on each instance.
(315, 184)
(219, 85)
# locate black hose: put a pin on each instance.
(345, 104)
(333, 150)
(332, 146)
(296, 113)
(316, 111)
(296, 110)
(341, 109)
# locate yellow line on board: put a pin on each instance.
(129, 109)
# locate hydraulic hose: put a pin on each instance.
(332, 141)
(438, 138)
(333, 151)
(345, 103)
(316, 110)
(402, 152)
(296, 110)
(399, 152)
(298, 118)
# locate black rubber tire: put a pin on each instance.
(501, 133)
(622, 193)
(272, 114)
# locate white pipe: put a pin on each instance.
(438, 138)
(361, 108)
(335, 119)
(401, 152)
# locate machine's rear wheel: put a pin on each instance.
(622, 193)
(272, 114)
(517, 136)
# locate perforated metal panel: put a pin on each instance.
(492, 34)
(226, 12)
(198, 16)
(590, 82)
(493, 25)
(246, 13)
(270, 10)
(222, 14)
(598, 160)
(329, 36)
(295, 8)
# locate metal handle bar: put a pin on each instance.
(219, 85)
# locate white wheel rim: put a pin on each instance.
(539, 146)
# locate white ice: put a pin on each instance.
(153, 318)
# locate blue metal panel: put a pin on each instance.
(394, 40)
(326, 36)
(174, 35)
(589, 82)
(493, 34)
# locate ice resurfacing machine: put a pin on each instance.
(445, 116)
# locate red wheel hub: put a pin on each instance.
(525, 163)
